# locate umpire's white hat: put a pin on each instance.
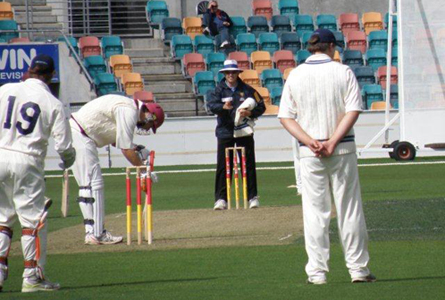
(230, 65)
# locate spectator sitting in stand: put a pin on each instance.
(216, 21)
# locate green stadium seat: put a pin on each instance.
(301, 56)
(371, 93)
(170, 27)
(327, 22)
(394, 96)
(280, 24)
(215, 62)
(288, 8)
(246, 42)
(378, 40)
(275, 95)
(271, 78)
(180, 45)
(290, 41)
(365, 75)
(394, 21)
(111, 45)
(156, 11)
(105, 83)
(95, 65)
(203, 81)
(8, 25)
(257, 25)
(340, 38)
(203, 45)
(375, 58)
(219, 77)
(352, 58)
(394, 57)
(303, 23)
(305, 39)
(72, 41)
(239, 26)
(269, 42)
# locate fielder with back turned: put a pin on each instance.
(29, 114)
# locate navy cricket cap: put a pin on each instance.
(326, 36)
(42, 64)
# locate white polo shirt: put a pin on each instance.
(318, 94)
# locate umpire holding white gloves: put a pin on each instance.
(107, 120)
(29, 114)
(233, 101)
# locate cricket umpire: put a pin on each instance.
(29, 115)
(325, 98)
(236, 105)
(107, 120)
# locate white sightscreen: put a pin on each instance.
(421, 42)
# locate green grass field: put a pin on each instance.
(404, 207)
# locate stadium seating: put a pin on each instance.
(394, 21)
(203, 81)
(192, 63)
(337, 56)
(132, 82)
(365, 75)
(246, 42)
(381, 76)
(215, 62)
(228, 48)
(19, 40)
(170, 27)
(269, 42)
(262, 8)
(144, 96)
(239, 26)
(2, 41)
(340, 38)
(395, 38)
(375, 58)
(286, 73)
(394, 57)
(394, 96)
(288, 8)
(72, 41)
(264, 93)
(327, 22)
(261, 61)
(280, 24)
(372, 21)
(220, 76)
(111, 45)
(378, 39)
(180, 45)
(89, 45)
(290, 41)
(120, 64)
(8, 25)
(6, 12)
(271, 78)
(192, 26)
(105, 83)
(283, 60)
(356, 40)
(257, 25)
(275, 95)
(378, 105)
(305, 39)
(250, 77)
(348, 22)
(95, 64)
(353, 58)
(371, 93)
(241, 58)
(203, 45)
(303, 23)
(301, 56)
(156, 11)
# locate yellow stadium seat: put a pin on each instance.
(120, 64)
(378, 105)
(264, 93)
(337, 57)
(261, 60)
(132, 83)
(286, 73)
(250, 77)
(6, 11)
(192, 26)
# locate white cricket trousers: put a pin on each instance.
(321, 177)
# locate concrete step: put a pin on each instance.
(178, 114)
(153, 60)
(144, 53)
(164, 78)
(46, 18)
(143, 43)
(165, 88)
(155, 68)
(23, 2)
(175, 96)
(33, 9)
(179, 105)
(57, 26)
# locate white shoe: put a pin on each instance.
(254, 202)
(35, 284)
(3, 275)
(108, 239)
(368, 278)
(206, 30)
(224, 44)
(221, 204)
(90, 239)
(316, 281)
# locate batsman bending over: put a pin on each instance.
(110, 119)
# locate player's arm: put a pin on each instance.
(61, 133)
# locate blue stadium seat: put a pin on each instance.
(203, 81)
(280, 24)
(340, 38)
(203, 45)
(327, 22)
(170, 27)
(378, 40)
(246, 42)
(219, 77)
(180, 45)
(239, 26)
(2, 41)
(303, 23)
(352, 58)
(257, 25)
(305, 38)
(394, 57)
(156, 11)
(394, 21)
(394, 96)
(95, 64)
(215, 62)
(269, 42)
(105, 83)
(375, 58)
(371, 93)
(302, 55)
(290, 41)
(275, 95)
(365, 75)
(72, 41)
(288, 8)
(395, 34)
(271, 78)
(111, 45)
(8, 25)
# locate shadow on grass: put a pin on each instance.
(411, 279)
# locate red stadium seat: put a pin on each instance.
(348, 23)
(262, 8)
(356, 40)
(89, 45)
(241, 58)
(19, 40)
(144, 96)
(284, 59)
(381, 76)
(192, 63)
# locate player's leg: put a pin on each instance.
(350, 216)
(220, 177)
(316, 201)
(296, 155)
